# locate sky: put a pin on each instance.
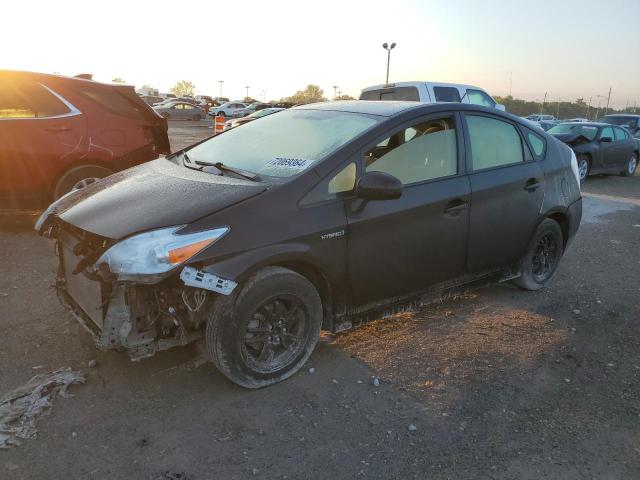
(567, 49)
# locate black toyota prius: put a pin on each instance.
(315, 218)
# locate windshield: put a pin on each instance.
(586, 131)
(629, 122)
(285, 144)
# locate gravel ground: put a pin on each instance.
(496, 383)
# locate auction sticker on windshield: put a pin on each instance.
(292, 163)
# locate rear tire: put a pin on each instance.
(541, 261)
(79, 177)
(266, 332)
(630, 168)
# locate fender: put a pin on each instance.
(240, 266)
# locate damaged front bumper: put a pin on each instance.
(140, 319)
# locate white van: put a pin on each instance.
(430, 92)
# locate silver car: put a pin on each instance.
(180, 111)
(228, 109)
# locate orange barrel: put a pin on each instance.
(218, 126)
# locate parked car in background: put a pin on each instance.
(180, 111)
(59, 133)
(630, 121)
(541, 118)
(227, 109)
(576, 120)
(253, 107)
(176, 99)
(309, 219)
(430, 92)
(220, 100)
(167, 95)
(149, 100)
(236, 122)
(599, 147)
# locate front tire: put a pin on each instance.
(541, 261)
(584, 165)
(79, 177)
(631, 166)
(267, 331)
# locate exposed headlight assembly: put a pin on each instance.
(148, 256)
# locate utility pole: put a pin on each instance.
(220, 82)
(510, 83)
(247, 87)
(543, 102)
(558, 110)
(588, 107)
(608, 98)
(388, 48)
(335, 91)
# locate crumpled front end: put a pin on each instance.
(140, 319)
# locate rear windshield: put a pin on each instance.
(399, 93)
(285, 144)
(115, 100)
(629, 122)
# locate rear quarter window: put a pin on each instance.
(538, 144)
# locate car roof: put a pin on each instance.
(61, 77)
(414, 83)
(587, 124)
(630, 115)
(371, 107)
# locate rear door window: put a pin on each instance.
(494, 143)
(619, 133)
(607, 132)
(478, 97)
(446, 94)
(400, 93)
(29, 100)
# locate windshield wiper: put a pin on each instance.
(238, 171)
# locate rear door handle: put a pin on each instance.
(455, 207)
(532, 184)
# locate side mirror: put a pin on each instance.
(501, 107)
(378, 186)
(606, 139)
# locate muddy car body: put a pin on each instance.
(316, 217)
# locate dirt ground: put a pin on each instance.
(497, 383)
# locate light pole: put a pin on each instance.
(388, 48)
(221, 82)
(335, 91)
(247, 87)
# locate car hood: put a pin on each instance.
(152, 195)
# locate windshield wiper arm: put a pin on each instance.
(238, 171)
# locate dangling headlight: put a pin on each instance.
(147, 257)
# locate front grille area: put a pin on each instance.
(85, 292)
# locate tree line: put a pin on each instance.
(576, 109)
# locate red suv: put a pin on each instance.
(60, 133)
